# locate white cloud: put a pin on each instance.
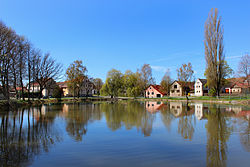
(233, 57)
(159, 68)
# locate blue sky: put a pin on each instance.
(125, 34)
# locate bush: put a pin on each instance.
(212, 92)
(57, 92)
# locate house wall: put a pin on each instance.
(152, 93)
(45, 92)
(175, 91)
(236, 90)
(198, 88)
(65, 91)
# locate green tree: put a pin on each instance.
(132, 83)
(214, 51)
(114, 84)
(57, 92)
(227, 72)
(76, 73)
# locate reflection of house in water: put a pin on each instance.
(235, 109)
(153, 106)
(245, 113)
(198, 110)
(65, 108)
(176, 108)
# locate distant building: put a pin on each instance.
(200, 87)
(237, 86)
(178, 88)
(47, 91)
(64, 87)
(87, 88)
(154, 91)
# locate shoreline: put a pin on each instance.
(14, 103)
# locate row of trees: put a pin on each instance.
(128, 84)
(21, 63)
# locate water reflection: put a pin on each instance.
(26, 133)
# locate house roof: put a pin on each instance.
(185, 84)
(238, 82)
(203, 81)
(62, 84)
(158, 88)
(242, 85)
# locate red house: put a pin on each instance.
(154, 91)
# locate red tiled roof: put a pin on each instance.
(242, 85)
(158, 88)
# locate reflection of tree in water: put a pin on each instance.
(186, 122)
(166, 116)
(245, 135)
(24, 134)
(218, 132)
(129, 114)
(78, 117)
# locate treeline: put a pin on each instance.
(22, 63)
(131, 84)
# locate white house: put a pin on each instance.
(200, 87)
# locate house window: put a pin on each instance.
(172, 91)
(152, 93)
(152, 104)
(175, 86)
(148, 93)
(178, 91)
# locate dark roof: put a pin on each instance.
(203, 81)
(185, 84)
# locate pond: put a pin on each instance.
(126, 134)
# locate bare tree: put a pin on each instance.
(244, 65)
(214, 51)
(22, 53)
(185, 72)
(166, 82)
(146, 75)
(47, 69)
(7, 44)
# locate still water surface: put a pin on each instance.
(126, 134)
